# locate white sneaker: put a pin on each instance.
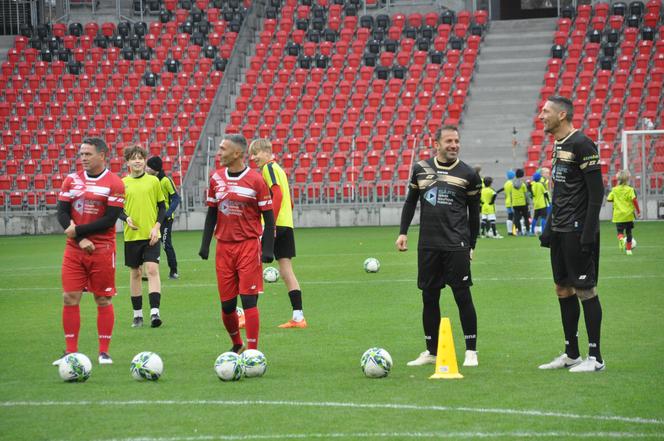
(59, 360)
(424, 358)
(590, 364)
(497, 236)
(562, 362)
(104, 358)
(471, 359)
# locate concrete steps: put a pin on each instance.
(504, 94)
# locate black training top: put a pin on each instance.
(573, 156)
(445, 194)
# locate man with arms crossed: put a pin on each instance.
(237, 197)
(572, 233)
(89, 204)
(449, 194)
(284, 244)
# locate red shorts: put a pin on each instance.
(94, 272)
(239, 269)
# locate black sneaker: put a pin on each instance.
(174, 276)
(144, 278)
(137, 323)
(155, 321)
(238, 349)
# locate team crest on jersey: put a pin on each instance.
(431, 196)
(78, 205)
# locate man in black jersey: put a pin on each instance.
(572, 233)
(449, 194)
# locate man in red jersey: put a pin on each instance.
(237, 196)
(89, 204)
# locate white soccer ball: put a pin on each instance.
(624, 242)
(270, 274)
(147, 366)
(254, 363)
(376, 363)
(371, 265)
(75, 367)
(228, 367)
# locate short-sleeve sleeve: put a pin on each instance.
(269, 176)
(474, 187)
(116, 197)
(587, 156)
(610, 196)
(211, 194)
(65, 195)
(632, 193)
(263, 195)
(159, 194)
(167, 186)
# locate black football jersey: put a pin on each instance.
(444, 194)
(573, 156)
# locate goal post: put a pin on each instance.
(643, 155)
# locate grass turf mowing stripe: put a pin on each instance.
(415, 407)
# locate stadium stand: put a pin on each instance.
(152, 84)
(347, 99)
(609, 59)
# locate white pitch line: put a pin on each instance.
(355, 282)
(332, 404)
(436, 435)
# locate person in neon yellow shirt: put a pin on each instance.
(541, 202)
(488, 211)
(144, 213)
(625, 206)
(507, 188)
(284, 244)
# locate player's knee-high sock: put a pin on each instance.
(155, 302)
(137, 305)
(570, 313)
(230, 320)
(71, 323)
(509, 222)
(431, 318)
(467, 315)
(493, 227)
(105, 321)
(483, 228)
(252, 326)
(592, 312)
(296, 302)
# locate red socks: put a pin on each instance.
(71, 323)
(252, 327)
(105, 322)
(232, 325)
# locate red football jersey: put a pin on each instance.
(239, 202)
(89, 198)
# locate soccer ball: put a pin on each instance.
(254, 363)
(371, 265)
(624, 242)
(146, 366)
(376, 363)
(228, 367)
(75, 368)
(270, 274)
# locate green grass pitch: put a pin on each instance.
(314, 388)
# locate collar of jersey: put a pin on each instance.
(236, 178)
(101, 175)
(445, 167)
(567, 137)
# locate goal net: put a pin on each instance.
(642, 153)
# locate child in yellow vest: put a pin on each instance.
(625, 206)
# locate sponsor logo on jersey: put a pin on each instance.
(431, 195)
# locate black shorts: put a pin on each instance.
(540, 212)
(284, 243)
(622, 226)
(436, 268)
(139, 251)
(571, 266)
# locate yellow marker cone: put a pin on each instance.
(446, 362)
